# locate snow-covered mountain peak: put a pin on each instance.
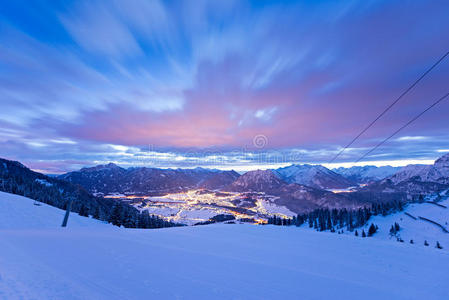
(438, 172)
(259, 180)
(408, 172)
(109, 166)
(443, 159)
(365, 174)
(315, 176)
(260, 175)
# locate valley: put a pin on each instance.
(204, 196)
(200, 205)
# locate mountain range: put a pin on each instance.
(365, 174)
(438, 172)
(296, 197)
(298, 187)
(110, 178)
(415, 180)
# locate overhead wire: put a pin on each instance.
(391, 105)
(402, 127)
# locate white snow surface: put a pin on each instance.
(92, 260)
(416, 230)
(367, 173)
(17, 212)
(198, 214)
(315, 176)
(272, 208)
(43, 182)
(438, 172)
(161, 210)
(408, 172)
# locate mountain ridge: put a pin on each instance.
(365, 174)
(296, 197)
(316, 176)
(110, 178)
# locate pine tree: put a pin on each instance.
(350, 222)
(411, 242)
(363, 233)
(128, 220)
(96, 214)
(115, 217)
(372, 230)
(84, 211)
(356, 233)
(329, 222)
(322, 223)
(278, 221)
(421, 198)
(396, 227)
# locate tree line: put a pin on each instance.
(335, 219)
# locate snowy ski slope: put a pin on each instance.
(92, 260)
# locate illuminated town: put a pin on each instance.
(200, 205)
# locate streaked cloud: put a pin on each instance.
(412, 138)
(93, 81)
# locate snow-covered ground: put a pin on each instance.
(92, 260)
(417, 230)
(17, 212)
(270, 208)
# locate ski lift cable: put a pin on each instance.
(402, 127)
(390, 106)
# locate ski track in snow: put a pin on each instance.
(93, 260)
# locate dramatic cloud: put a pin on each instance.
(181, 84)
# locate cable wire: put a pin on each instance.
(405, 125)
(391, 105)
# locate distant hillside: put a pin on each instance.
(416, 180)
(296, 197)
(110, 178)
(18, 212)
(17, 179)
(219, 180)
(365, 174)
(315, 176)
(438, 172)
(420, 224)
(256, 181)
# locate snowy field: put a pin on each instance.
(416, 230)
(92, 260)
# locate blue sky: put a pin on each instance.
(198, 83)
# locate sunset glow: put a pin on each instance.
(164, 84)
